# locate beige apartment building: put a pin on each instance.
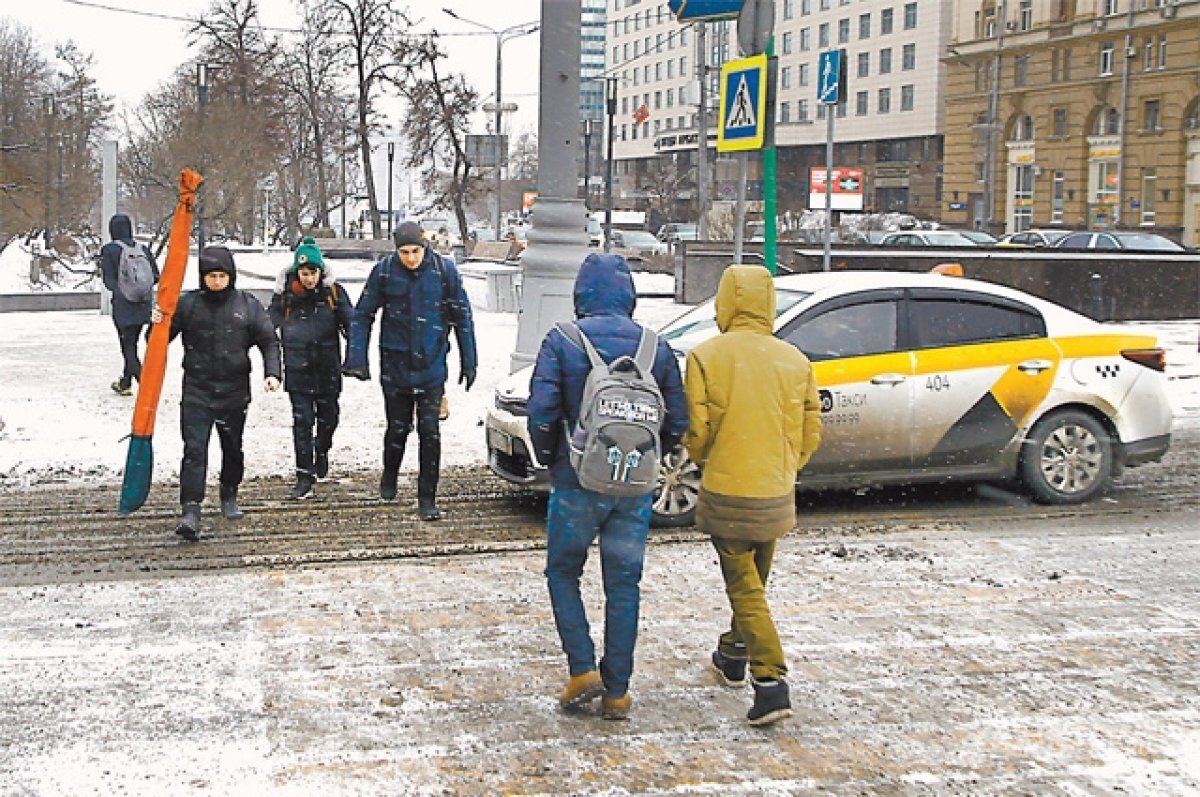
(889, 123)
(1074, 113)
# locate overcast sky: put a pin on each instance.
(137, 51)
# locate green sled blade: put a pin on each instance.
(139, 467)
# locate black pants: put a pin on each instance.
(307, 410)
(129, 353)
(400, 408)
(196, 422)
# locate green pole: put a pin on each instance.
(768, 164)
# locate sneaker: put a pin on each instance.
(427, 509)
(321, 464)
(444, 411)
(616, 708)
(583, 688)
(303, 487)
(387, 485)
(121, 388)
(771, 702)
(189, 524)
(730, 669)
(229, 507)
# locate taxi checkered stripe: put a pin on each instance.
(1108, 370)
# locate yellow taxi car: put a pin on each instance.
(929, 378)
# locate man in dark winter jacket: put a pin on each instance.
(311, 312)
(220, 325)
(604, 302)
(129, 317)
(422, 298)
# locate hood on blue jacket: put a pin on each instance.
(120, 228)
(604, 286)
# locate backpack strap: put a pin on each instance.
(573, 333)
(646, 350)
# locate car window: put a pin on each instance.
(1020, 238)
(1077, 240)
(848, 331)
(1105, 241)
(700, 323)
(954, 322)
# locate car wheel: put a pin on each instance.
(678, 490)
(1067, 458)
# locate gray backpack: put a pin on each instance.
(614, 446)
(135, 275)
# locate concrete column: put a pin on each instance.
(108, 207)
(558, 241)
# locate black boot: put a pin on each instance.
(189, 524)
(321, 465)
(771, 702)
(229, 507)
(427, 509)
(387, 484)
(303, 487)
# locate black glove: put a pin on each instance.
(467, 376)
(362, 372)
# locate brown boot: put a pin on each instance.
(616, 708)
(581, 689)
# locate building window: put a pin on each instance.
(910, 16)
(862, 102)
(1150, 118)
(805, 6)
(803, 76)
(864, 26)
(885, 21)
(864, 64)
(1023, 129)
(1021, 70)
(1108, 122)
(789, 9)
(843, 30)
(1106, 59)
(657, 100)
(805, 39)
(1056, 198)
(842, 107)
(1148, 55)
(1060, 122)
(787, 43)
(1110, 8)
(908, 57)
(785, 77)
(885, 100)
(885, 61)
(1106, 182)
(907, 97)
(1149, 189)
(1025, 14)
(1023, 198)
(785, 112)
(802, 110)
(823, 35)
(1162, 52)
(823, 5)
(670, 98)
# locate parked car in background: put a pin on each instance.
(931, 238)
(1116, 239)
(980, 237)
(1032, 238)
(637, 242)
(926, 378)
(678, 231)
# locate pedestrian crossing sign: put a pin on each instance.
(741, 118)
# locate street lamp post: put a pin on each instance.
(201, 101)
(48, 109)
(587, 161)
(502, 35)
(610, 107)
(391, 158)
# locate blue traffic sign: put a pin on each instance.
(692, 10)
(741, 118)
(829, 77)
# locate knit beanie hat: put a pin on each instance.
(308, 254)
(409, 234)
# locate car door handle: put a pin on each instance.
(1034, 367)
(887, 379)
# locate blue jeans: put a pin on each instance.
(576, 516)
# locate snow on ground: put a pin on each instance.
(61, 422)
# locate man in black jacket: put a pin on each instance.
(219, 324)
(129, 317)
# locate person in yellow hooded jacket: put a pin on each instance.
(755, 420)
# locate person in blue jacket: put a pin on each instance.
(604, 303)
(130, 318)
(421, 296)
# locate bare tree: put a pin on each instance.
(82, 118)
(373, 36)
(24, 80)
(435, 129)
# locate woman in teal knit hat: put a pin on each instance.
(312, 314)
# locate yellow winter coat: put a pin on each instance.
(755, 417)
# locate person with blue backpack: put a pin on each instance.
(421, 297)
(591, 405)
(130, 273)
